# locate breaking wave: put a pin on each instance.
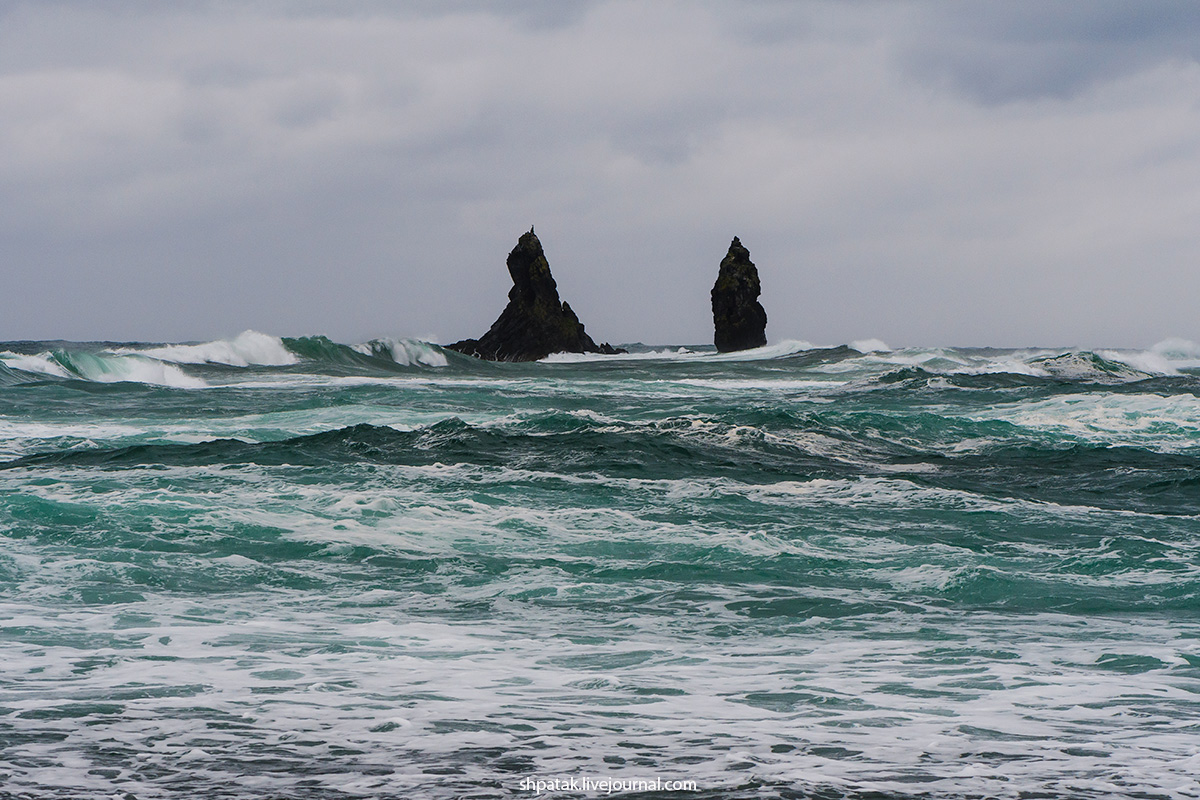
(168, 365)
(1104, 367)
(405, 352)
(245, 349)
(100, 368)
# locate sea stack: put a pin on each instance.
(739, 320)
(535, 323)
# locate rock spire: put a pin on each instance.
(535, 323)
(739, 320)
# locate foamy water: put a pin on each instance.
(385, 570)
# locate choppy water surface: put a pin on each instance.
(294, 568)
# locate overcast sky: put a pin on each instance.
(928, 173)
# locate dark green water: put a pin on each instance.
(296, 569)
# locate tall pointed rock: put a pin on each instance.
(739, 320)
(535, 323)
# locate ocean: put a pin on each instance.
(293, 568)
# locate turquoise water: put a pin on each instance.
(293, 568)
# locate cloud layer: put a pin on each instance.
(927, 173)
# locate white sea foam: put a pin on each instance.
(1179, 353)
(1104, 366)
(787, 347)
(876, 361)
(422, 630)
(1032, 709)
(104, 368)
(665, 353)
(18, 437)
(40, 364)
(1151, 421)
(1149, 363)
(340, 679)
(137, 369)
(248, 347)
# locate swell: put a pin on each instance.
(655, 454)
(1047, 471)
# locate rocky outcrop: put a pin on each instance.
(535, 323)
(739, 320)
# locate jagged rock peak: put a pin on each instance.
(535, 323)
(530, 271)
(739, 320)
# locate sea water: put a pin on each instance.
(292, 568)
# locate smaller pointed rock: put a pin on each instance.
(739, 320)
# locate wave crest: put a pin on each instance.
(405, 352)
(102, 368)
(1088, 366)
(246, 349)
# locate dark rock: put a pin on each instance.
(535, 323)
(739, 319)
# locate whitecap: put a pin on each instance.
(787, 347)
(1144, 361)
(133, 368)
(103, 368)
(870, 346)
(248, 347)
(1151, 421)
(40, 364)
(405, 352)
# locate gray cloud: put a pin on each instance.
(1004, 52)
(927, 173)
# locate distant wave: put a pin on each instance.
(39, 364)
(245, 349)
(251, 348)
(405, 352)
(387, 354)
(98, 368)
(1084, 366)
(872, 355)
(870, 346)
(1177, 349)
(164, 365)
(1179, 353)
(862, 362)
(1088, 366)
